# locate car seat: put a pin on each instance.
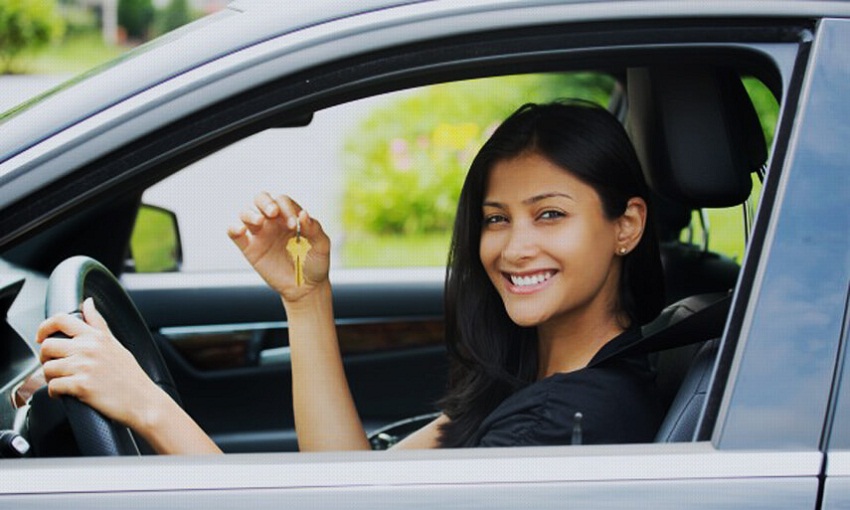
(698, 138)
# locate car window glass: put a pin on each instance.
(382, 174)
(840, 438)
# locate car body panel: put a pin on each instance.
(796, 317)
(587, 472)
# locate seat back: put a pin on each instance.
(698, 139)
(680, 423)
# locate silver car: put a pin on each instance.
(266, 94)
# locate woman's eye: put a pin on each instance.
(494, 218)
(551, 215)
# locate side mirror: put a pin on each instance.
(155, 244)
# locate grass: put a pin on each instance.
(75, 54)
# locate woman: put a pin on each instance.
(553, 266)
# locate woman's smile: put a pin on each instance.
(527, 282)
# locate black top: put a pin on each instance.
(615, 394)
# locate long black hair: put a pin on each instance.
(491, 356)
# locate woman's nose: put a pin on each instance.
(522, 244)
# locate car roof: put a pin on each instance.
(245, 23)
(241, 24)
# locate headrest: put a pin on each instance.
(696, 133)
(670, 218)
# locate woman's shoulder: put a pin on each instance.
(613, 402)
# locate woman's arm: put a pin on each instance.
(325, 416)
(92, 366)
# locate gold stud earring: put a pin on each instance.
(623, 250)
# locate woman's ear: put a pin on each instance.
(630, 225)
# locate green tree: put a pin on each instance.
(26, 25)
(136, 16)
(176, 14)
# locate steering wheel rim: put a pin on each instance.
(73, 281)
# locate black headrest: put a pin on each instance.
(670, 217)
(696, 133)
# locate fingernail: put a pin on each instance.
(292, 222)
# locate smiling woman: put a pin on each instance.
(554, 257)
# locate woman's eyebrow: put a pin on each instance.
(544, 196)
(528, 201)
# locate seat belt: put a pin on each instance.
(691, 320)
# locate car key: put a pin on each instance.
(298, 247)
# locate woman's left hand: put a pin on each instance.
(92, 366)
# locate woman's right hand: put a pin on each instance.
(263, 235)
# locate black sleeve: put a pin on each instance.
(617, 406)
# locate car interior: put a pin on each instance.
(699, 140)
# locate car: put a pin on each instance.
(752, 350)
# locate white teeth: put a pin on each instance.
(522, 281)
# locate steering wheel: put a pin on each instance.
(72, 282)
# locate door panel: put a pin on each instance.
(226, 345)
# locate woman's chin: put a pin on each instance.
(526, 320)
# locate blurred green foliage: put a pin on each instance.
(136, 16)
(406, 162)
(26, 25)
(176, 14)
(765, 104)
(154, 243)
(77, 53)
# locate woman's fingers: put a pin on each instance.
(54, 368)
(290, 210)
(62, 323)
(55, 348)
(63, 386)
(311, 228)
(237, 234)
(267, 205)
(252, 220)
(93, 317)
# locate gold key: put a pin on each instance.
(298, 247)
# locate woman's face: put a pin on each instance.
(546, 245)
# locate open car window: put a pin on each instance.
(382, 174)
